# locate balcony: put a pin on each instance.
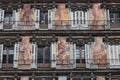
(90, 64)
(7, 66)
(24, 64)
(103, 63)
(115, 23)
(62, 25)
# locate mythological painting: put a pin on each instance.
(97, 17)
(63, 53)
(61, 17)
(99, 52)
(26, 17)
(100, 78)
(24, 59)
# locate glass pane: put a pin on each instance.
(4, 50)
(47, 54)
(83, 54)
(4, 59)
(40, 55)
(10, 58)
(11, 50)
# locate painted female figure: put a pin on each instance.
(61, 16)
(99, 52)
(97, 17)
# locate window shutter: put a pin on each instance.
(75, 19)
(37, 18)
(1, 18)
(108, 18)
(74, 55)
(1, 54)
(16, 53)
(17, 19)
(105, 19)
(109, 54)
(71, 56)
(33, 56)
(114, 56)
(13, 19)
(50, 19)
(53, 55)
(88, 56)
(79, 20)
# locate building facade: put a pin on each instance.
(60, 40)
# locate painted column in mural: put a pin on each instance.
(24, 58)
(99, 53)
(61, 17)
(97, 17)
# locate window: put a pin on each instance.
(115, 17)
(8, 54)
(43, 54)
(8, 20)
(80, 54)
(43, 17)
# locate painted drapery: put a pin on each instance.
(99, 53)
(24, 58)
(97, 17)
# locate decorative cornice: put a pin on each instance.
(60, 32)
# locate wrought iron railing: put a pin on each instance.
(92, 63)
(64, 24)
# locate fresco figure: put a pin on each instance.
(63, 54)
(25, 48)
(100, 78)
(97, 17)
(26, 15)
(99, 52)
(61, 17)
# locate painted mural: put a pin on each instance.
(24, 58)
(24, 77)
(100, 78)
(61, 17)
(99, 52)
(63, 53)
(26, 17)
(97, 17)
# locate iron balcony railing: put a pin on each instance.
(64, 24)
(92, 63)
